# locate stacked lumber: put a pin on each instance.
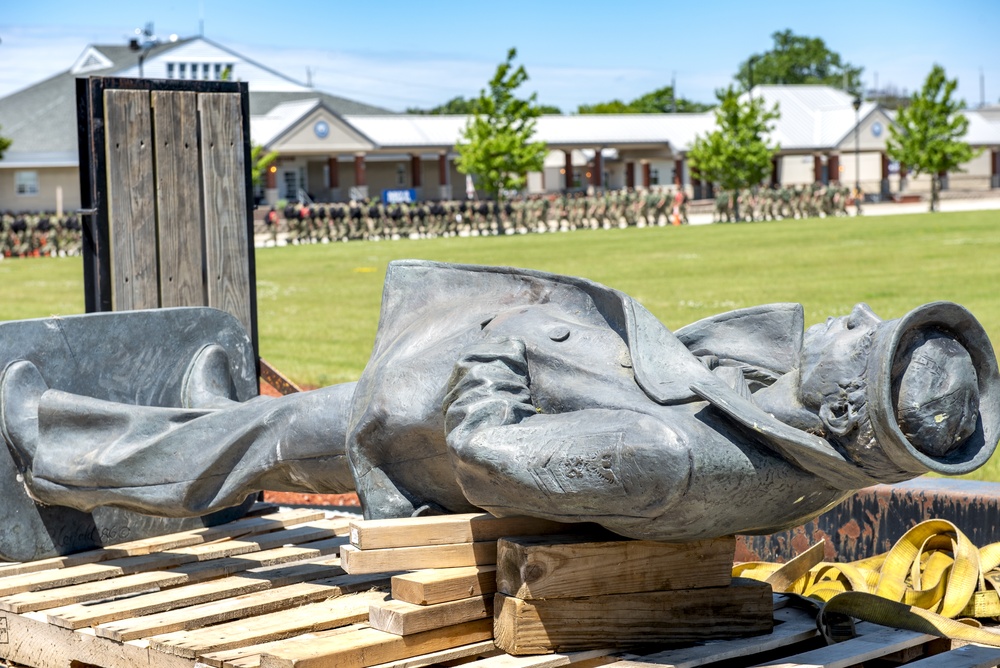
(270, 590)
(573, 593)
(449, 594)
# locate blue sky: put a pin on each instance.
(420, 53)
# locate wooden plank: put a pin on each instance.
(485, 648)
(417, 558)
(404, 619)
(547, 660)
(185, 574)
(369, 647)
(792, 626)
(225, 610)
(260, 628)
(225, 205)
(623, 620)
(969, 656)
(131, 207)
(247, 526)
(444, 584)
(77, 616)
(445, 529)
(178, 200)
(571, 566)
(168, 559)
(32, 642)
(854, 651)
(249, 657)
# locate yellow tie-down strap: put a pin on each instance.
(933, 580)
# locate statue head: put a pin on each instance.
(906, 396)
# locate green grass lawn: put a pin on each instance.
(318, 305)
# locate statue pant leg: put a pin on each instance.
(179, 462)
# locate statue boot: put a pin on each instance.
(180, 357)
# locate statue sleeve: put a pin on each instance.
(609, 464)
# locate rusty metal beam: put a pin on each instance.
(872, 520)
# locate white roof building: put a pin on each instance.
(333, 148)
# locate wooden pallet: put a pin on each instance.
(269, 590)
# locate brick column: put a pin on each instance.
(630, 175)
(414, 171)
(360, 182)
(597, 177)
(444, 187)
(646, 176)
(775, 176)
(334, 173)
(568, 166)
(833, 171)
(271, 185)
(679, 173)
(817, 169)
(995, 170)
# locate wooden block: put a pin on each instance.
(404, 619)
(558, 567)
(197, 616)
(369, 647)
(444, 584)
(445, 529)
(623, 620)
(331, 613)
(417, 558)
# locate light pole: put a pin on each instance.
(857, 152)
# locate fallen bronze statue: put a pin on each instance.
(512, 391)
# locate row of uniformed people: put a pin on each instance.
(375, 220)
(812, 201)
(39, 235)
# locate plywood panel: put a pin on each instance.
(131, 206)
(225, 215)
(178, 198)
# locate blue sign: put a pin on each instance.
(876, 129)
(404, 196)
(322, 129)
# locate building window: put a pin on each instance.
(204, 71)
(26, 183)
(218, 70)
(182, 71)
(654, 176)
(170, 70)
(400, 175)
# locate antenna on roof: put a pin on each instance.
(143, 41)
(201, 18)
(309, 77)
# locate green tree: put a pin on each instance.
(456, 105)
(737, 153)
(461, 106)
(927, 135)
(659, 101)
(496, 146)
(260, 162)
(4, 144)
(799, 60)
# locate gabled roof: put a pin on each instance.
(812, 117)
(41, 119)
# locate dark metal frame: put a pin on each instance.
(94, 184)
